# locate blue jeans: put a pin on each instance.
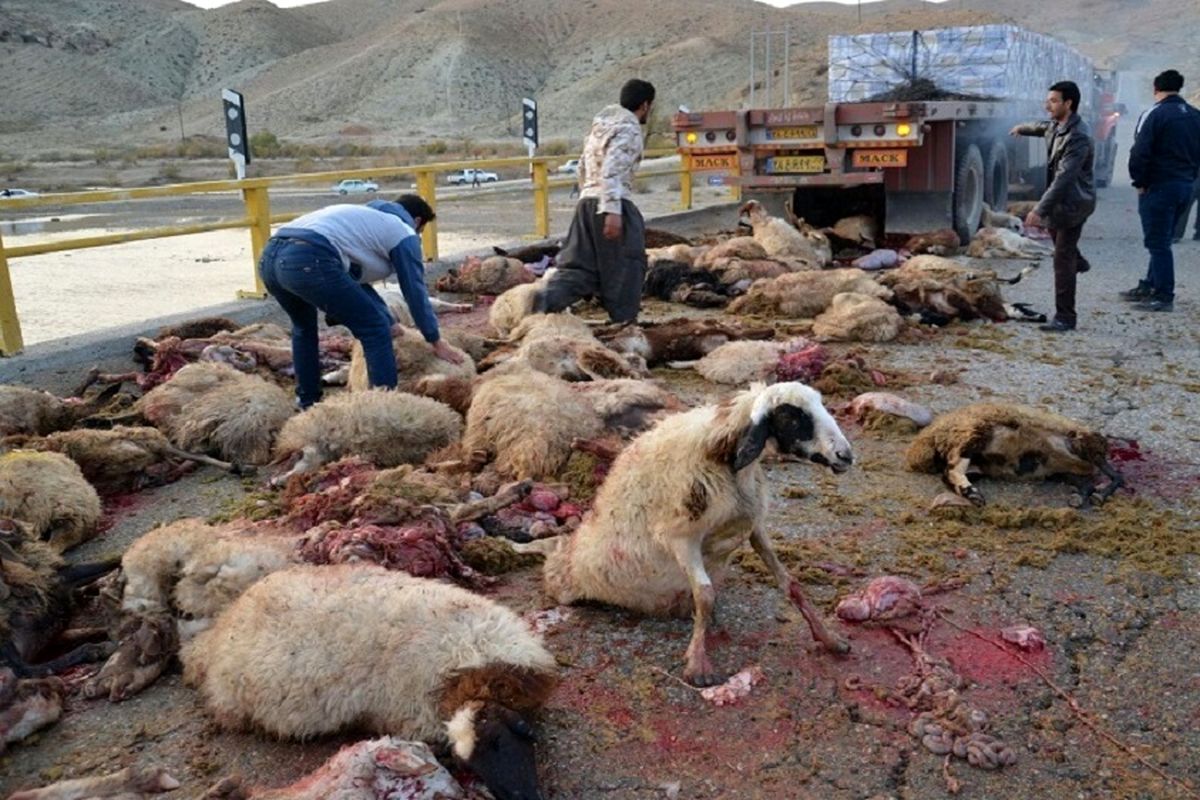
(304, 279)
(1159, 207)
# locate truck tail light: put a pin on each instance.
(903, 129)
(691, 137)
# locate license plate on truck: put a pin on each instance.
(796, 164)
(794, 132)
(879, 158)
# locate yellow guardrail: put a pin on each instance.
(258, 218)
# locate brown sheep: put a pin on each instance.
(1012, 442)
(214, 408)
(491, 275)
(944, 242)
(681, 499)
(384, 427)
(804, 295)
(514, 305)
(48, 491)
(679, 339)
(122, 459)
(36, 413)
(1004, 243)
(414, 360)
(741, 247)
(942, 290)
(853, 317)
(382, 652)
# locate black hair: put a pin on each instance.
(1068, 90)
(635, 92)
(1168, 81)
(416, 206)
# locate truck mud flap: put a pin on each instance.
(918, 212)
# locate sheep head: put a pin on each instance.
(792, 414)
(755, 211)
(496, 743)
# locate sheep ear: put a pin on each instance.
(750, 445)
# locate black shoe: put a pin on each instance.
(1156, 304)
(1056, 326)
(1196, 238)
(1082, 267)
(1142, 292)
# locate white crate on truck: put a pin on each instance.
(993, 62)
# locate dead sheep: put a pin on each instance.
(740, 363)
(131, 783)
(853, 317)
(684, 253)
(514, 305)
(491, 275)
(679, 339)
(1004, 243)
(681, 499)
(942, 242)
(526, 420)
(781, 240)
(414, 360)
(26, 706)
(741, 247)
(381, 652)
(215, 409)
(37, 603)
(1000, 219)
(36, 413)
(941, 290)
(856, 231)
(384, 427)
(804, 295)
(397, 306)
(48, 491)
(1012, 442)
(122, 459)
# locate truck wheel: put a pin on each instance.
(995, 170)
(968, 192)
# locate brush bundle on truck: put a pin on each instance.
(915, 131)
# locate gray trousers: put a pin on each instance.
(590, 265)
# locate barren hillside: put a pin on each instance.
(86, 73)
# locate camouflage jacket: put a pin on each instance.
(610, 155)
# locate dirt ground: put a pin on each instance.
(1109, 709)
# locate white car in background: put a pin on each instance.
(356, 186)
(12, 194)
(470, 175)
(569, 168)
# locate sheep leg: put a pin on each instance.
(699, 670)
(761, 543)
(227, 466)
(490, 505)
(956, 476)
(1115, 481)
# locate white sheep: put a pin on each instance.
(214, 408)
(415, 359)
(854, 317)
(316, 650)
(804, 295)
(514, 305)
(1005, 243)
(681, 499)
(780, 239)
(1000, 219)
(48, 491)
(385, 427)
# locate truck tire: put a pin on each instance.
(968, 192)
(995, 171)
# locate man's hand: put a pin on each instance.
(1032, 220)
(445, 353)
(612, 226)
(1016, 131)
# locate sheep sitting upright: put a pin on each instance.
(382, 652)
(681, 498)
(1013, 442)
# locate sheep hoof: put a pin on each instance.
(839, 647)
(701, 673)
(975, 496)
(246, 470)
(1076, 500)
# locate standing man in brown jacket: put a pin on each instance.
(1070, 196)
(605, 250)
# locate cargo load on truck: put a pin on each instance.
(979, 62)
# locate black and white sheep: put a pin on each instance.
(382, 652)
(681, 498)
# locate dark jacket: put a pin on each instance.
(1070, 196)
(1166, 147)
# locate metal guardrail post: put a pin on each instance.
(735, 187)
(11, 342)
(258, 211)
(427, 188)
(541, 199)
(685, 182)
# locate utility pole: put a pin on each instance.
(179, 108)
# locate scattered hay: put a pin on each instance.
(889, 426)
(583, 475)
